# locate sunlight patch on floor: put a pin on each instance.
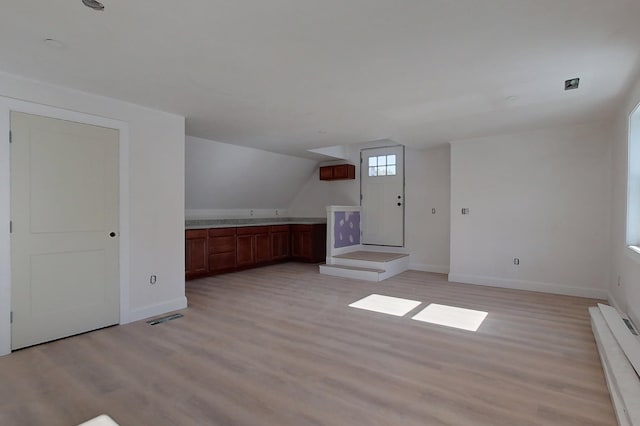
(451, 316)
(386, 304)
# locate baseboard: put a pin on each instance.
(554, 288)
(159, 309)
(426, 267)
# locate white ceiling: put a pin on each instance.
(290, 75)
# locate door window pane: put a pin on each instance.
(382, 165)
(391, 159)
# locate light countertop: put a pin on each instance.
(237, 223)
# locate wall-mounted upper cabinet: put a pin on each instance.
(338, 172)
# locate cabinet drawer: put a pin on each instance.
(301, 228)
(221, 232)
(222, 244)
(280, 228)
(252, 230)
(196, 233)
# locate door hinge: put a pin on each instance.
(11, 317)
(11, 227)
(360, 197)
(10, 136)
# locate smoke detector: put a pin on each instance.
(93, 4)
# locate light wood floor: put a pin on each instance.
(279, 346)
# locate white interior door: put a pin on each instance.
(382, 196)
(64, 240)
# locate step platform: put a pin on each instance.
(366, 265)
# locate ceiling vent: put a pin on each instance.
(93, 4)
(571, 84)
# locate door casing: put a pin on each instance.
(364, 168)
(7, 105)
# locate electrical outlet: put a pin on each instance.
(433, 211)
(465, 211)
(153, 279)
(277, 212)
(516, 261)
(250, 212)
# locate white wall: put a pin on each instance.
(315, 194)
(540, 196)
(625, 263)
(426, 187)
(223, 178)
(154, 169)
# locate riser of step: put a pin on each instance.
(392, 264)
(359, 274)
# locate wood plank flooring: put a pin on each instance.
(279, 346)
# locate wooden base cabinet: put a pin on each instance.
(196, 253)
(217, 250)
(222, 249)
(253, 245)
(309, 242)
(280, 242)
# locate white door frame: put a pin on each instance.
(7, 105)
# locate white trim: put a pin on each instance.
(613, 302)
(10, 104)
(331, 250)
(554, 288)
(158, 309)
(426, 267)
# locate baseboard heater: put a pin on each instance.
(619, 349)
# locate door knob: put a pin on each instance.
(112, 234)
(399, 204)
(399, 196)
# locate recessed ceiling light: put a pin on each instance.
(93, 4)
(571, 84)
(511, 98)
(53, 43)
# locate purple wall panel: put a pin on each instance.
(346, 229)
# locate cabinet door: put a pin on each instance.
(340, 171)
(222, 261)
(301, 244)
(196, 252)
(245, 250)
(263, 248)
(326, 173)
(279, 245)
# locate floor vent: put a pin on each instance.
(164, 319)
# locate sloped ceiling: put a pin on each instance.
(224, 176)
(290, 75)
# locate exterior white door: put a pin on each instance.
(382, 196)
(64, 240)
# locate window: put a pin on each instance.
(633, 181)
(382, 165)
